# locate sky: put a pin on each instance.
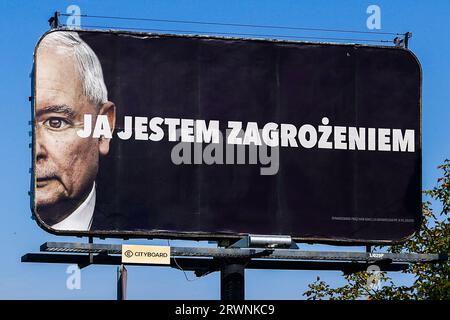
(23, 22)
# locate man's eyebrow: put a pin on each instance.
(61, 108)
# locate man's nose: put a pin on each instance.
(41, 151)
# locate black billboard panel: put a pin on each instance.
(149, 135)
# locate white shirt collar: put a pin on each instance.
(81, 218)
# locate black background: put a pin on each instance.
(141, 191)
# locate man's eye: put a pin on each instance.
(56, 123)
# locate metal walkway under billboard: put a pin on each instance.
(231, 261)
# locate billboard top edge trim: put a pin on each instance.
(218, 37)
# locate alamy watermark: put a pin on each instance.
(373, 22)
(223, 153)
(374, 280)
(74, 17)
(73, 281)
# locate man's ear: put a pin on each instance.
(108, 109)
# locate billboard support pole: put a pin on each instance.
(122, 275)
(232, 279)
(232, 271)
(91, 256)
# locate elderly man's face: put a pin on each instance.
(66, 165)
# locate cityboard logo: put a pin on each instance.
(145, 254)
(128, 253)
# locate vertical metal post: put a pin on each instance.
(232, 279)
(91, 255)
(54, 20)
(121, 282)
(407, 36)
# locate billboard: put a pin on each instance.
(170, 136)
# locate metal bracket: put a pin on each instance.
(403, 42)
(264, 241)
(90, 255)
(54, 20)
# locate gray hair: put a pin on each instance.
(88, 65)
